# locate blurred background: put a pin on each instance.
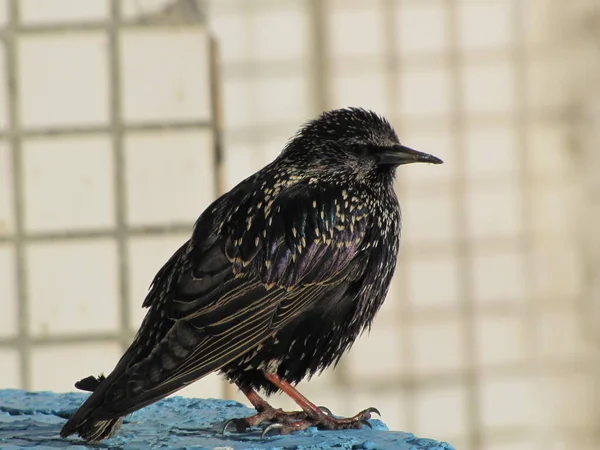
(120, 121)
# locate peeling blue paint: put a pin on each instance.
(34, 419)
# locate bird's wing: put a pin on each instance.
(248, 283)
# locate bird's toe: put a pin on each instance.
(239, 425)
(288, 428)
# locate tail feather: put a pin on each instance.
(94, 432)
(83, 423)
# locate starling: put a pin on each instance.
(279, 278)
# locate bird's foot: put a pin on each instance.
(266, 414)
(323, 420)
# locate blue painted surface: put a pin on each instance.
(34, 419)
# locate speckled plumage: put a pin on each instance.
(281, 274)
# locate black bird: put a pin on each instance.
(279, 278)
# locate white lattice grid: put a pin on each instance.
(479, 342)
(107, 156)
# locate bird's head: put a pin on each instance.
(356, 138)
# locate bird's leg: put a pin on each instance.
(265, 413)
(315, 415)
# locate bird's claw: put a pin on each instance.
(273, 426)
(364, 416)
(240, 425)
(326, 410)
(229, 422)
(372, 410)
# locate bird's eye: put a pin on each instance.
(363, 151)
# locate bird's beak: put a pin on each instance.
(399, 154)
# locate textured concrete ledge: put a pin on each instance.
(33, 419)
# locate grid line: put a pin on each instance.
(400, 280)
(525, 179)
(364, 64)
(216, 97)
(23, 343)
(134, 231)
(120, 199)
(99, 129)
(320, 70)
(463, 253)
(99, 25)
